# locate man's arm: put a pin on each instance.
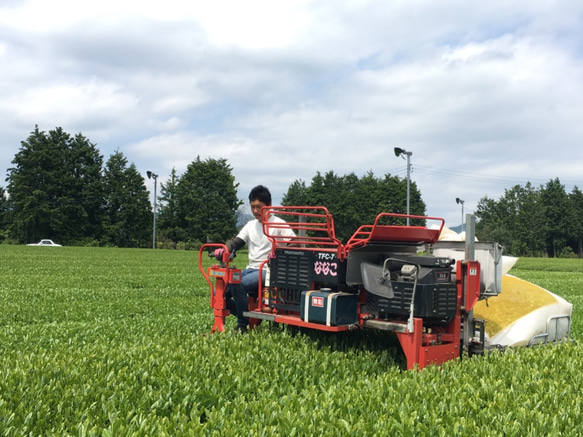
(235, 244)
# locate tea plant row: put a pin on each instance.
(100, 341)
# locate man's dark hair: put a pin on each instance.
(260, 193)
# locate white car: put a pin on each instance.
(45, 243)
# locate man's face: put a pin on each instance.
(256, 206)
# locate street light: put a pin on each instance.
(155, 176)
(403, 152)
(460, 201)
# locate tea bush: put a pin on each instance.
(103, 341)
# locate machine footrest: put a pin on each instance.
(294, 320)
(259, 315)
(385, 326)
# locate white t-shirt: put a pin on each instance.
(257, 242)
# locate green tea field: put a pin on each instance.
(114, 342)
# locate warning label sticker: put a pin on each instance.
(318, 301)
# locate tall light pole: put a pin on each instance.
(403, 153)
(461, 202)
(155, 176)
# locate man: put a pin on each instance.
(259, 248)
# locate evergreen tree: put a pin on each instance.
(54, 188)
(490, 224)
(530, 228)
(128, 211)
(167, 221)
(559, 217)
(297, 194)
(87, 181)
(206, 201)
(576, 199)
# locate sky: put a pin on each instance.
(485, 95)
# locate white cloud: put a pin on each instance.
(72, 103)
(253, 24)
(485, 95)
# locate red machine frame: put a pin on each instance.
(223, 275)
(314, 230)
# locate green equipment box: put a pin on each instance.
(329, 308)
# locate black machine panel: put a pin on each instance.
(435, 293)
(436, 303)
(293, 271)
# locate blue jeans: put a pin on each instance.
(237, 294)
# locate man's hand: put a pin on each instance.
(219, 253)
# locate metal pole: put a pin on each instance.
(461, 202)
(470, 255)
(154, 237)
(408, 183)
(470, 237)
(155, 177)
(401, 152)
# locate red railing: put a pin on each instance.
(416, 235)
(313, 227)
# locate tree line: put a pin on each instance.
(355, 201)
(544, 222)
(59, 187)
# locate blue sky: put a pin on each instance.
(487, 95)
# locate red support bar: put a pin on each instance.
(411, 343)
(223, 276)
(296, 320)
(421, 351)
(471, 283)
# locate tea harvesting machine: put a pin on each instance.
(385, 277)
